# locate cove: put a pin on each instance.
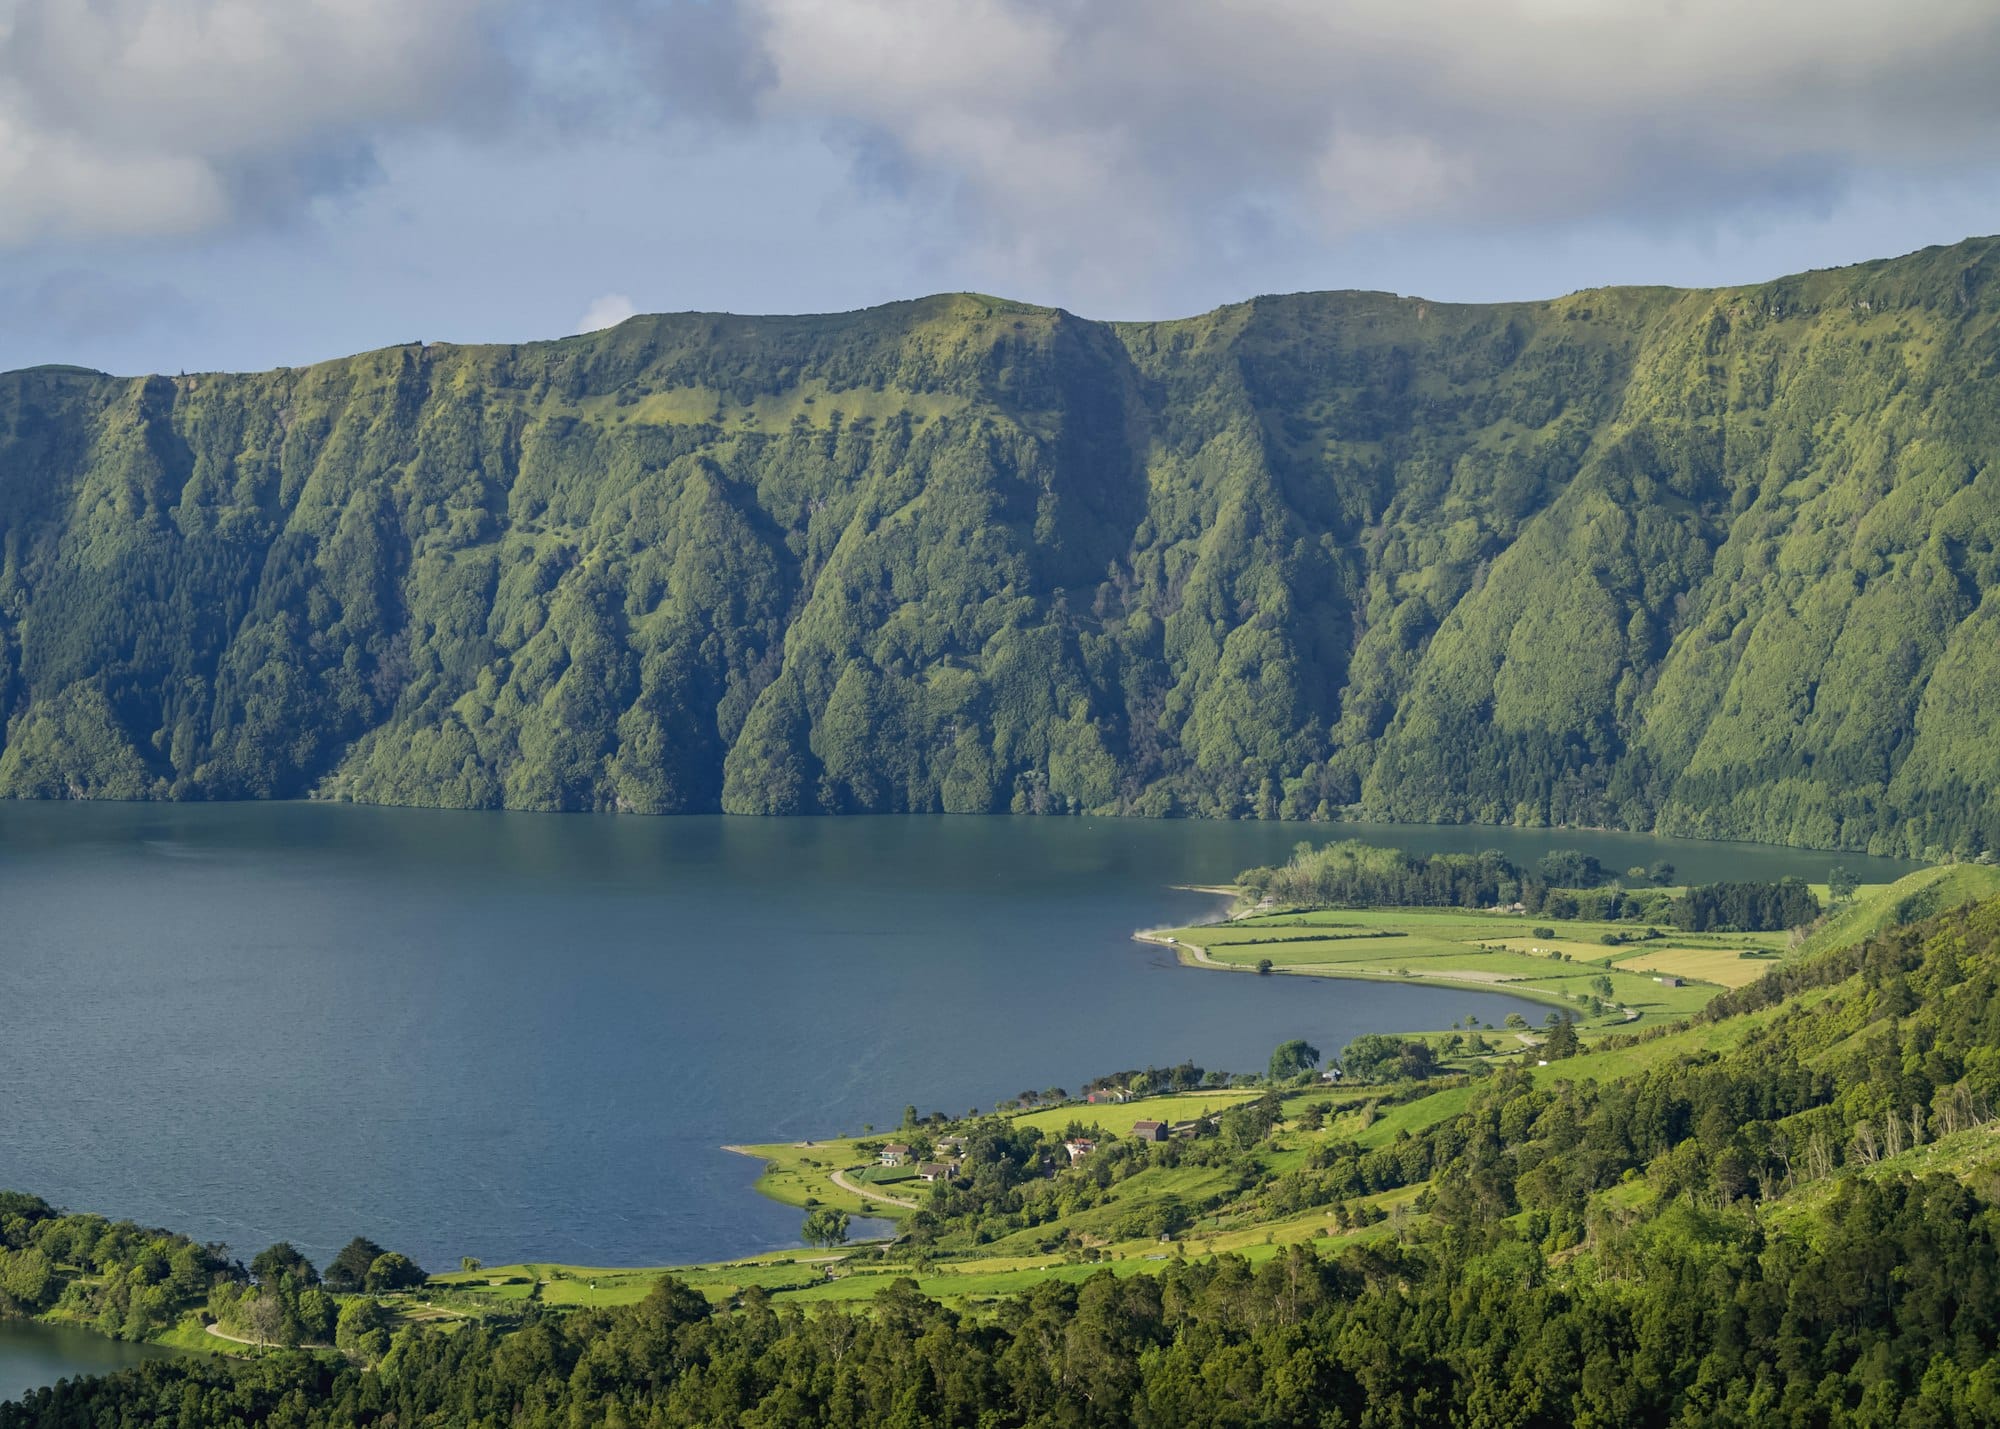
(523, 1036)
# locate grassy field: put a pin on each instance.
(1914, 896)
(1725, 967)
(799, 1174)
(552, 1284)
(1118, 1118)
(1448, 947)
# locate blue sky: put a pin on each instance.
(201, 184)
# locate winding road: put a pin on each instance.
(839, 1178)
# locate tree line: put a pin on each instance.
(1562, 883)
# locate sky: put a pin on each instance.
(193, 185)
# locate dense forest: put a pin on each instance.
(1784, 1213)
(1708, 563)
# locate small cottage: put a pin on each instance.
(1079, 1148)
(933, 1171)
(894, 1154)
(1150, 1130)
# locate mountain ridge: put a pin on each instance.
(1711, 562)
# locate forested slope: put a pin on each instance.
(1707, 562)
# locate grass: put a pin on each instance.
(549, 1283)
(1913, 897)
(1118, 1118)
(1453, 947)
(1723, 966)
(799, 1174)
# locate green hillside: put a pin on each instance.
(1712, 563)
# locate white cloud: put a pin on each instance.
(607, 311)
(123, 118)
(1068, 146)
(1130, 135)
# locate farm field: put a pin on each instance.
(1569, 964)
(1723, 966)
(1117, 1118)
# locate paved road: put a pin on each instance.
(839, 1179)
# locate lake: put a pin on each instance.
(32, 1355)
(522, 1036)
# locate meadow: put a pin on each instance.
(1462, 947)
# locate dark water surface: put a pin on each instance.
(33, 1355)
(523, 1036)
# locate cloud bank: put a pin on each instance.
(144, 118)
(1137, 132)
(1081, 142)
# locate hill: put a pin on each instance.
(1709, 563)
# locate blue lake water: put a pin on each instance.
(527, 1037)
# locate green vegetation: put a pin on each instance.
(1562, 883)
(1711, 563)
(1470, 949)
(1470, 926)
(1783, 1210)
(825, 1227)
(135, 1284)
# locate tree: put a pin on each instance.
(1842, 882)
(1375, 1056)
(348, 1271)
(825, 1227)
(315, 1312)
(267, 1319)
(25, 1279)
(1662, 873)
(362, 1331)
(470, 1264)
(282, 1261)
(1561, 1039)
(1263, 967)
(1602, 986)
(1292, 1059)
(674, 1302)
(1567, 868)
(393, 1271)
